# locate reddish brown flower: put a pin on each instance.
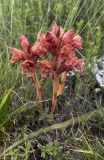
(25, 56)
(48, 41)
(56, 39)
(25, 53)
(62, 45)
(51, 40)
(38, 49)
(28, 67)
(76, 64)
(16, 55)
(24, 43)
(58, 31)
(70, 37)
(42, 41)
(77, 42)
(64, 53)
(46, 68)
(54, 28)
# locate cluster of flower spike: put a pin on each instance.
(61, 46)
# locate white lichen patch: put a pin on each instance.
(99, 71)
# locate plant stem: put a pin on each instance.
(55, 91)
(62, 84)
(38, 91)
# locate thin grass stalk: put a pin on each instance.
(38, 91)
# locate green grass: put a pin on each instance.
(21, 126)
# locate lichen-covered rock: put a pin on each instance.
(99, 71)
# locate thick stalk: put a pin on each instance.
(55, 91)
(38, 92)
(62, 84)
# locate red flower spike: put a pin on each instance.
(46, 68)
(51, 40)
(24, 43)
(26, 57)
(28, 60)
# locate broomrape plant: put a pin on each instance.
(61, 45)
